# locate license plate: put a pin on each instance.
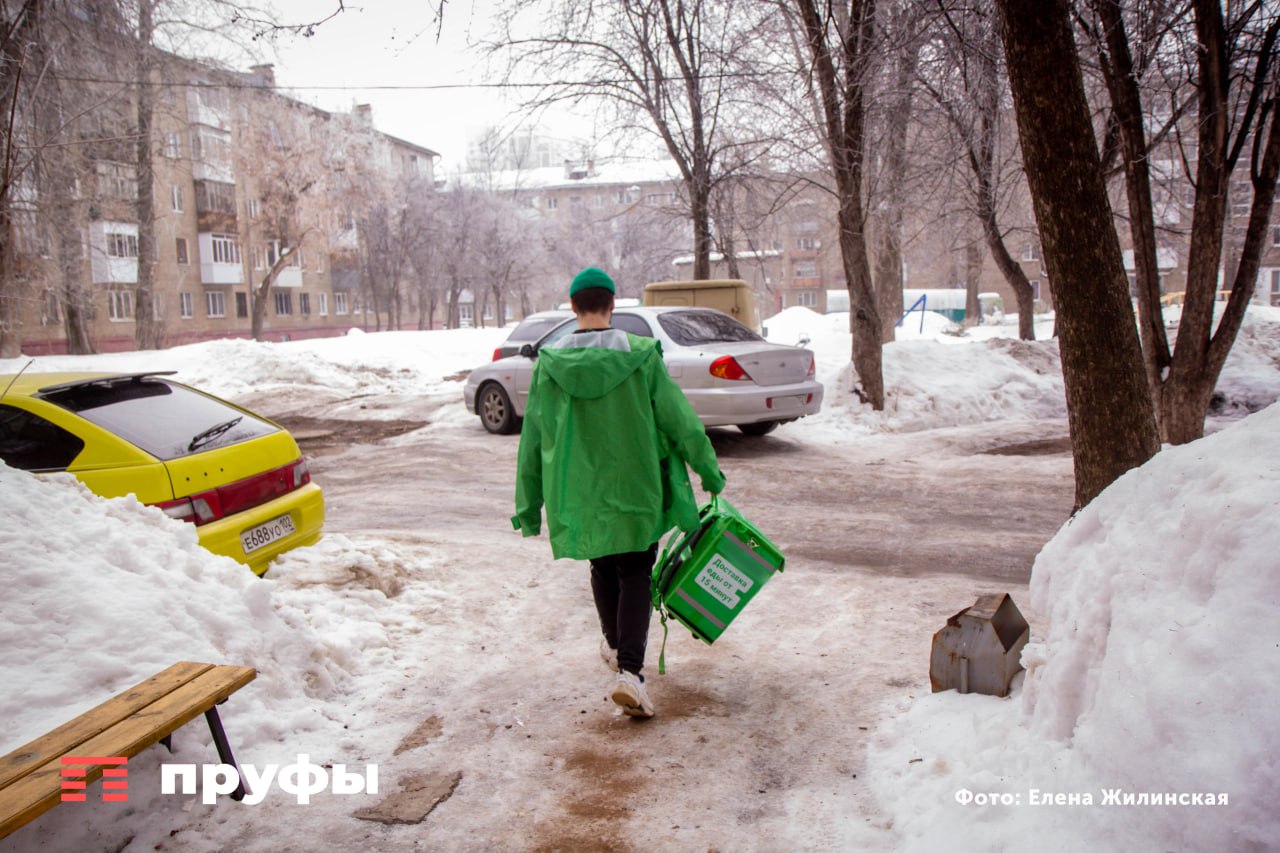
(264, 534)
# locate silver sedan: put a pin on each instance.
(731, 375)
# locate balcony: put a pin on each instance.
(220, 259)
(113, 252)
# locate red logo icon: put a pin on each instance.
(115, 777)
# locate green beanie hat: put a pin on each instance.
(591, 277)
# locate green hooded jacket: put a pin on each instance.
(606, 437)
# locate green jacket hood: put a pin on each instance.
(590, 372)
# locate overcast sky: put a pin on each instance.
(385, 52)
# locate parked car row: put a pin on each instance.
(731, 375)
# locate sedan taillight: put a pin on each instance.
(497, 353)
(727, 367)
(813, 368)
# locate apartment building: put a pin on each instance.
(243, 176)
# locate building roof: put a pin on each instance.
(601, 173)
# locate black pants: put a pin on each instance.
(620, 584)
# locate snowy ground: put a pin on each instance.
(424, 636)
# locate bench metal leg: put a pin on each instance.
(224, 749)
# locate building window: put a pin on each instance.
(215, 303)
(215, 197)
(322, 304)
(807, 298)
(339, 303)
(226, 250)
(1035, 289)
(1275, 236)
(254, 208)
(187, 304)
(304, 304)
(122, 245)
(284, 303)
(805, 269)
(118, 180)
(50, 308)
(175, 198)
(242, 304)
(553, 203)
(119, 305)
(598, 201)
(172, 145)
(466, 314)
(180, 244)
(806, 243)
(1030, 252)
(652, 198)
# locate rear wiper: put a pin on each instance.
(212, 432)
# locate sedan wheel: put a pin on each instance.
(760, 428)
(495, 410)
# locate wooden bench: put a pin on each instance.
(31, 777)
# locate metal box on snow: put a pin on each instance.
(706, 579)
(979, 650)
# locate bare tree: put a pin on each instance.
(1109, 409)
(282, 171)
(1233, 81)
(667, 67)
(965, 85)
(16, 31)
(840, 43)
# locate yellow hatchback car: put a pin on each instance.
(238, 477)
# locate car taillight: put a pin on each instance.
(497, 353)
(197, 509)
(813, 367)
(204, 507)
(727, 367)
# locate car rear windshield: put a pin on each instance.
(530, 330)
(690, 328)
(166, 420)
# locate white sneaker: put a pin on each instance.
(608, 654)
(629, 694)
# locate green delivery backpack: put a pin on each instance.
(706, 576)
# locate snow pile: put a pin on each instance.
(104, 593)
(404, 363)
(1159, 673)
(930, 381)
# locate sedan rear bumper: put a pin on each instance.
(751, 404)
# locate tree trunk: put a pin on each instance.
(1126, 100)
(972, 281)
(146, 326)
(262, 291)
(843, 114)
(12, 66)
(700, 211)
(982, 161)
(1113, 427)
(1200, 352)
(888, 277)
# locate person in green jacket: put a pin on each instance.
(605, 441)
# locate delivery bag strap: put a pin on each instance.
(679, 546)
